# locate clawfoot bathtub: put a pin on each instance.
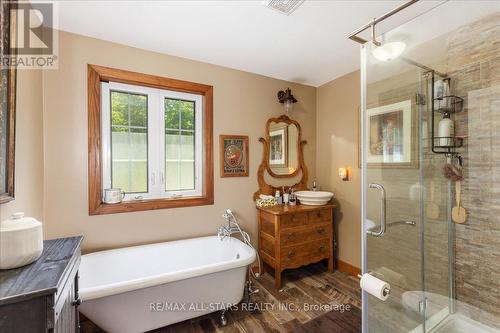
(141, 288)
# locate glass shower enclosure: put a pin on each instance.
(412, 164)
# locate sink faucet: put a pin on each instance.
(314, 187)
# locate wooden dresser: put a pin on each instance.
(43, 296)
(293, 236)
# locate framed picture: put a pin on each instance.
(233, 152)
(278, 141)
(391, 135)
(7, 103)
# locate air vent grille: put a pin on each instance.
(284, 6)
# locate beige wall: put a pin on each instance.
(337, 144)
(29, 148)
(242, 104)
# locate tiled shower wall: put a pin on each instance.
(473, 62)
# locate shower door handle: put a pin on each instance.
(381, 231)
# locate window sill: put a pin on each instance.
(150, 204)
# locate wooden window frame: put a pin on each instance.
(97, 74)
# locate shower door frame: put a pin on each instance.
(419, 155)
(426, 86)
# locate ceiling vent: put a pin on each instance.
(284, 6)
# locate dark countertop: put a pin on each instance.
(42, 277)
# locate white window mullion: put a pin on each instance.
(154, 146)
(106, 135)
(163, 142)
(198, 146)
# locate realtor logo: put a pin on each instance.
(32, 35)
(34, 28)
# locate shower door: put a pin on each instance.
(393, 133)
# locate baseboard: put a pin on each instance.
(348, 268)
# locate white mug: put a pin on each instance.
(113, 195)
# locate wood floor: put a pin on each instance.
(317, 302)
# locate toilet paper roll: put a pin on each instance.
(375, 286)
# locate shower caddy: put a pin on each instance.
(450, 104)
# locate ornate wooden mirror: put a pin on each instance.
(282, 158)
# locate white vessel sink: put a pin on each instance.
(314, 198)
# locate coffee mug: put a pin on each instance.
(113, 195)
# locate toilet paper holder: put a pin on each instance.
(386, 291)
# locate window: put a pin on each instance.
(154, 141)
(151, 141)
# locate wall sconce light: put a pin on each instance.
(344, 174)
(287, 99)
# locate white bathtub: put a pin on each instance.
(141, 288)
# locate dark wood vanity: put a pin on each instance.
(43, 296)
(293, 236)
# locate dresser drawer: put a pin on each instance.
(321, 215)
(292, 236)
(302, 254)
(293, 220)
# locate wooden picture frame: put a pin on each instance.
(233, 155)
(400, 115)
(95, 75)
(278, 140)
(8, 105)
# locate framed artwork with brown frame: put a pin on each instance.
(233, 155)
(7, 104)
(391, 138)
(96, 75)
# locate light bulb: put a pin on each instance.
(389, 51)
(288, 106)
(344, 173)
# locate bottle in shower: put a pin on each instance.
(446, 131)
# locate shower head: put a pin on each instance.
(227, 214)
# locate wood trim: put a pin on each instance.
(223, 137)
(94, 140)
(97, 74)
(347, 268)
(128, 77)
(8, 195)
(265, 188)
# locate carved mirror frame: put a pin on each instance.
(264, 167)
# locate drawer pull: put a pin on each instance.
(318, 214)
(290, 236)
(322, 248)
(291, 254)
(77, 302)
(294, 218)
(321, 231)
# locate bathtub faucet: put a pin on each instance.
(227, 230)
